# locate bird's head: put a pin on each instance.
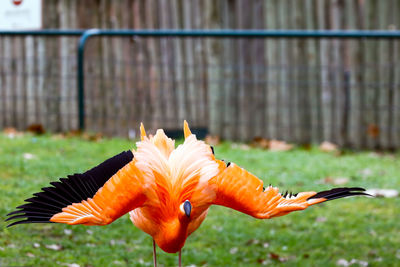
(174, 231)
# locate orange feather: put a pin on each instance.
(167, 191)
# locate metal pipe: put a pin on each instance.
(86, 34)
(214, 34)
(46, 32)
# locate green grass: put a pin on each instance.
(354, 228)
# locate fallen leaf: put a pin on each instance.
(54, 247)
(28, 156)
(74, 133)
(240, 146)
(274, 256)
(334, 180)
(95, 137)
(212, 140)
(233, 250)
(328, 147)
(252, 242)
(366, 172)
(218, 228)
(340, 180)
(11, 132)
(388, 193)
(58, 136)
(266, 262)
(67, 231)
(260, 142)
(276, 145)
(359, 262)
(373, 130)
(321, 219)
(36, 128)
(30, 255)
(342, 262)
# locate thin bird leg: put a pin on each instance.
(154, 254)
(180, 258)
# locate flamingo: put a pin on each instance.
(167, 192)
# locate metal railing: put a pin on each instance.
(86, 34)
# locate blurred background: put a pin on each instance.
(278, 94)
(299, 90)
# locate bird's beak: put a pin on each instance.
(187, 207)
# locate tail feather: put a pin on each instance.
(339, 193)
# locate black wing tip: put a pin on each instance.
(340, 192)
(75, 188)
(27, 221)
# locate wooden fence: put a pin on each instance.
(298, 90)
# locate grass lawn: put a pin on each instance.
(359, 228)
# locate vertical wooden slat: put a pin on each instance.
(240, 96)
(214, 50)
(188, 71)
(156, 112)
(7, 82)
(179, 88)
(147, 107)
(371, 77)
(383, 54)
(72, 66)
(198, 52)
(64, 53)
(258, 109)
(29, 72)
(228, 84)
(362, 137)
(270, 116)
(164, 69)
(284, 94)
(395, 92)
(19, 86)
(291, 81)
(138, 83)
(3, 100)
(129, 89)
(303, 70)
(325, 82)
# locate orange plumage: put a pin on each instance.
(167, 191)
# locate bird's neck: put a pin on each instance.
(172, 238)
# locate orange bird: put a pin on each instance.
(167, 192)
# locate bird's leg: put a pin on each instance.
(180, 258)
(154, 254)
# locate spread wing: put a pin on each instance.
(238, 189)
(96, 197)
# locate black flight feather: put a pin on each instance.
(340, 192)
(67, 191)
